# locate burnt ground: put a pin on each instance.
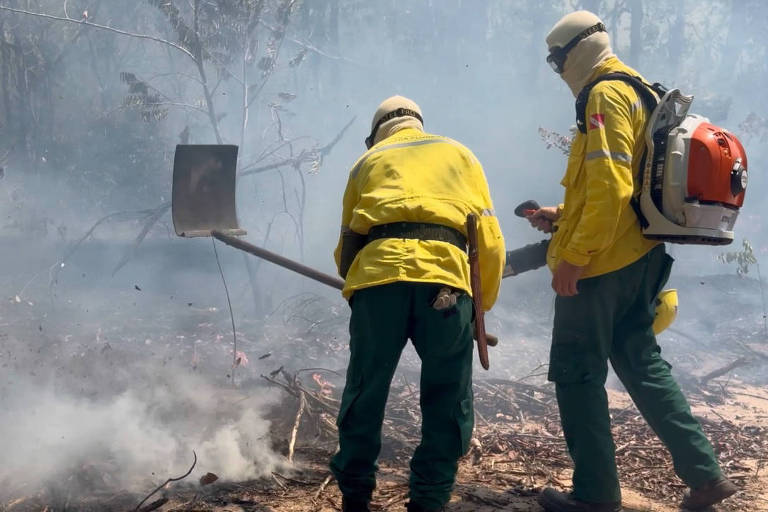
(516, 450)
(94, 337)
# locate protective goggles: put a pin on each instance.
(400, 112)
(557, 54)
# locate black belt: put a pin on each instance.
(419, 231)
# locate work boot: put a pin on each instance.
(556, 501)
(415, 507)
(350, 505)
(708, 494)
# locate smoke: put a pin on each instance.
(144, 434)
(95, 408)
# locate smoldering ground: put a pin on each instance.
(112, 390)
(61, 442)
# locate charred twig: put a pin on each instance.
(154, 505)
(278, 482)
(319, 370)
(292, 480)
(182, 477)
(288, 389)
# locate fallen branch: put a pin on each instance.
(296, 424)
(322, 487)
(182, 477)
(150, 221)
(749, 395)
(60, 264)
(742, 361)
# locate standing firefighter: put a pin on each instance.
(402, 246)
(607, 277)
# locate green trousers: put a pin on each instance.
(383, 319)
(611, 318)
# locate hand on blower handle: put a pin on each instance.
(566, 275)
(540, 218)
(531, 256)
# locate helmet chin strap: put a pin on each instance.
(400, 112)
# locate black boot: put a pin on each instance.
(415, 507)
(710, 494)
(556, 501)
(350, 505)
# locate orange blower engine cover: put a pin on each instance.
(717, 167)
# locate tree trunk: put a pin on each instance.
(636, 33)
(677, 41)
(729, 56)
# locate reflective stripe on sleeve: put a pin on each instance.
(602, 153)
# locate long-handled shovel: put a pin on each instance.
(203, 204)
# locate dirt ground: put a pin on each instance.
(493, 478)
(98, 346)
(515, 452)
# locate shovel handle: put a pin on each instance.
(282, 261)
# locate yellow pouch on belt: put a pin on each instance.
(666, 310)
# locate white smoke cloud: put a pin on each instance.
(135, 439)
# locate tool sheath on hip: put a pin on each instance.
(477, 292)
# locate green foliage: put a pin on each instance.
(743, 258)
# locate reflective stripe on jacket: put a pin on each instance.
(417, 177)
(598, 227)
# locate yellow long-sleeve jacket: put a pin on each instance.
(413, 176)
(598, 227)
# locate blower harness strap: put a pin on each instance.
(649, 95)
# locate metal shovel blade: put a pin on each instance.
(204, 190)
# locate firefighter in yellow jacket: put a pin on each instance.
(607, 277)
(403, 247)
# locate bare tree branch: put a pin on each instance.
(101, 27)
(308, 46)
(300, 158)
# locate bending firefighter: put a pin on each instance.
(402, 251)
(607, 276)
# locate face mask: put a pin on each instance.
(557, 55)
